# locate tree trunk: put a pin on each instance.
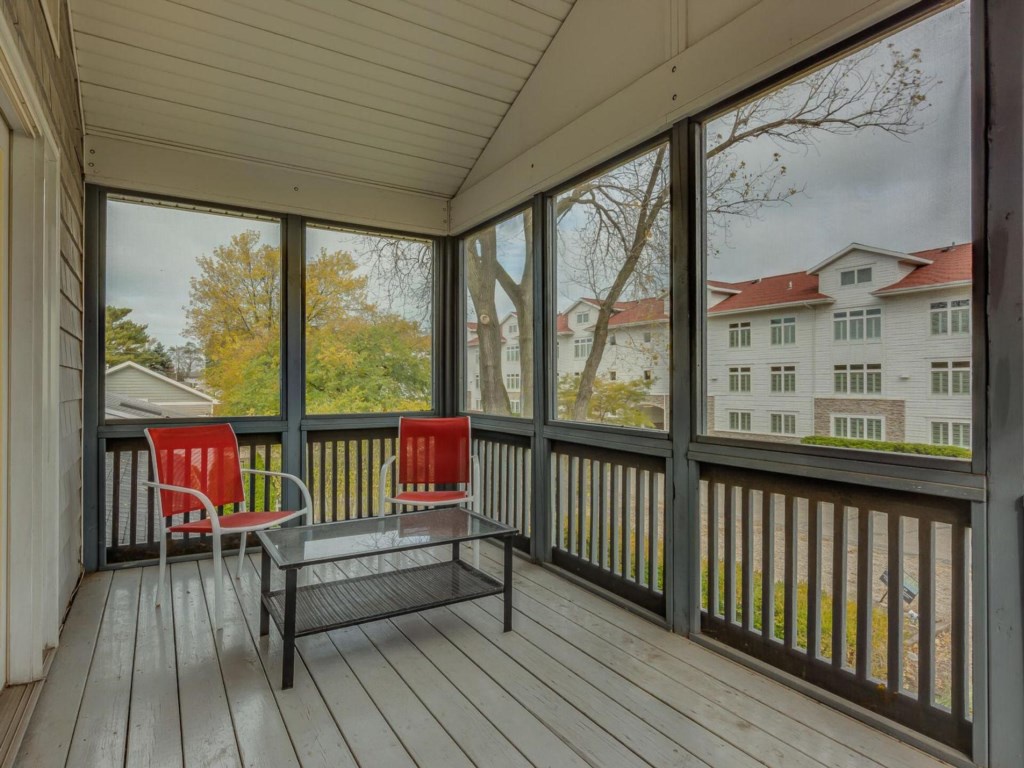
(481, 280)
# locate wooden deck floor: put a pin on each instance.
(580, 682)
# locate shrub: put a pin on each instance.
(922, 449)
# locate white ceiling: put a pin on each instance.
(401, 93)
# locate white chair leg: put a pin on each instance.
(162, 570)
(241, 557)
(218, 585)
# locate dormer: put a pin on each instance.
(854, 273)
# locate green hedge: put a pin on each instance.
(949, 451)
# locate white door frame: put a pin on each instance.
(31, 372)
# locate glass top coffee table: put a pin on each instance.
(321, 607)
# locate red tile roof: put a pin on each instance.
(642, 311)
(791, 288)
(949, 265)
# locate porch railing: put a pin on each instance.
(131, 522)
(608, 519)
(861, 591)
(506, 483)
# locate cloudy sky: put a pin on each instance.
(909, 193)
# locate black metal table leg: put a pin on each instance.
(264, 591)
(508, 583)
(288, 662)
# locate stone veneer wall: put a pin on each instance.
(56, 82)
(894, 412)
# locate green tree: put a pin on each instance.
(621, 403)
(358, 359)
(128, 340)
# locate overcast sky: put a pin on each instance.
(910, 194)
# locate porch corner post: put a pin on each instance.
(293, 377)
(1003, 536)
(92, 467)
(447, 334)
(543, 362)
(681, 518)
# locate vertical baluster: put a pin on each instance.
(895, 601)
(730, 554)
(311, 473)
(813, 577)
(334, 480)
(345, 479)
(525, 526)
(571, 510)
(594, 550)
(838, 584)
(133, 502)
(747, 564)
(512, 485)
(360, 510)
(790, 579)
(865, 559)
(767, 565)
(267, 464)
(151, 511)
(926, 619)
(958, 617)
(653, 529)
(115, 500)
(614, 561)
(628, 489)
(558, 498)
(581, 503)
(714, 494)
(640, 511)
(322, 484)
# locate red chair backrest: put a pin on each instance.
(433, 451)
(204, 458)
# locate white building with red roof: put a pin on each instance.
(869, 344)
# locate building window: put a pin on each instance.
(512, 353)
(783, 378)
(858, 379)
(612, 375)
(951, 433)
(647, 337)
(739, 421)
(857, 325)
(739, 335)
(581, 348)
(951, 377)
(783, 331)
(855, 276)
(582, 318)
(950, 317)
(612, 341)
(476, 381)
(517, 407)
(648, 374)
(739, 379)
(858, 427)
(513, 329)
(783, 423)
(477, 408)
(512, 382)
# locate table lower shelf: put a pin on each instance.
(336, 604)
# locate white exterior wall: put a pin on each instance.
(905, 351)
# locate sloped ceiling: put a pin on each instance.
(400, 93)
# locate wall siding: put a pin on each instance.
(56, 82)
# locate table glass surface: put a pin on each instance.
(326, 542)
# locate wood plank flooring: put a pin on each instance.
(579, 682)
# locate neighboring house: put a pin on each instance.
(637, 350)
(870, 343)
(134, 392)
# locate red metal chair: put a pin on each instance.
(198, 469)
(432, 452)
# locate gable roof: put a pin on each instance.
(641, 311)
(947, 266)
(910, 258)
(132, 365)
(775, 291)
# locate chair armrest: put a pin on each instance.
(307, 499)
(211, 511)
